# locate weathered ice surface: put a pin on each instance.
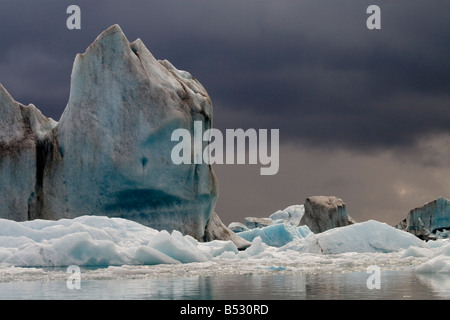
(276, 235)
(237, 227)
(110, 152)
(21, 128)
(255, 222)
(291, 214)
(429, 218)
(323, 213)
(216, 230)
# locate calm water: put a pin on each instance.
(394, 285)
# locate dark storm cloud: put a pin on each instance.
(374, 104)
(310, 68)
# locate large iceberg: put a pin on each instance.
(110, 153)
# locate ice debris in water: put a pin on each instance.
(105, 242)
(97, 241)
(276, 235)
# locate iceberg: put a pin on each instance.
(368, 236)
(99, 241)
(110, 153)
(237, 227)
(255, 222)
(439, 261)
(323, 213)
(428, 221)
(291, 214)
(121, 247)
(216, 230)
(276, 235)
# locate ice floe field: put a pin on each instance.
(114, 248)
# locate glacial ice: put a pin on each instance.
(118, 202)
(106, 242)
(110, 152)
(216, 230)
(120, 166)
(432, 220)
(20, 128)
(95, 240)
(368, 236)
(323, 213)
(291, 214)
(237, 227)
(438, 257)
(276, 235)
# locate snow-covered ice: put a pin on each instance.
(93, 240)
(369, 236)
(120, 248)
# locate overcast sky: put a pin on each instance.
(363, 114)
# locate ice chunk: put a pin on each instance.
(216, 230)
(237, 227)
(291, 214)
(323, 213)
(417, 252)
(218, 247)
(429, 220)
(177, 246)
(439, 262)
(256, 247)
(369, 236)
(150, 256)
(255, 222)
(99, 241)
(276, 235)
(280, 214)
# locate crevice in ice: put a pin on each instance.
(318, 245)
(44, 150)
(41, 158)
(134, 49)
(144, 162)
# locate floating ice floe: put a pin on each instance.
(369, 236)
(276, 235)
(116, 243)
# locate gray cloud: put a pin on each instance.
(382, 186)
(311, 69)
(353, 102)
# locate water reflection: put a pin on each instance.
(439, 284)
(394, 285)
